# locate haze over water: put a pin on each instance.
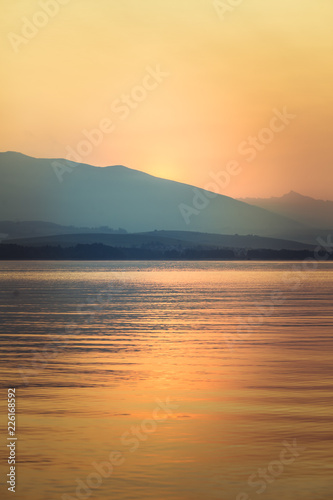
(130, 336)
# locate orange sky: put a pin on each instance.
(71, 66)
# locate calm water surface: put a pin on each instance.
(200, 375)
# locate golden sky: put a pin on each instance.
(177, 88)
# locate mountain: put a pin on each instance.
(33, 229)
(305, 210)
(162, 239)
(118, 196)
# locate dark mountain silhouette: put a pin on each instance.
(121, 197)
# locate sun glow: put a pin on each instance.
(216, 82)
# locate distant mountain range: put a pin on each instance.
(166, 240)
(10, 230)
(120, 197)
(306, 210)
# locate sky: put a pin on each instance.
(188, 90)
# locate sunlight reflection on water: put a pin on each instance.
(90, 348)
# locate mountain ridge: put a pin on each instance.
(163, 239)
(119, 196)
(301, 208)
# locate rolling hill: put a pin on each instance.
(162, 240)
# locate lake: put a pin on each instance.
(168, 380)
